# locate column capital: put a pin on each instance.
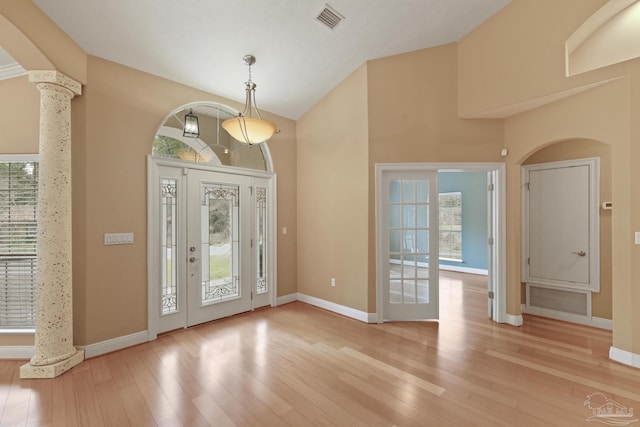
(57, 78)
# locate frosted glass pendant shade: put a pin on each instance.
(249, 130)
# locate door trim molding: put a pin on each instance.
(153, 164)
(499, 247)
(593, 163)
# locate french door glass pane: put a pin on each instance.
(408, 241)
(261, 240)
(220, 243)
(169, 246)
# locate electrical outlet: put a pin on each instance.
(333, 282)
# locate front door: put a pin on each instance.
(213, 245)
(409, 247)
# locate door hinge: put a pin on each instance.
(251, 190)
(490, 241)
(527, 186)
(251, 243)
(491, 187)
(492, 295)
(528, 261)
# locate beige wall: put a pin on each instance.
(413, 118)
(124, 108)
(332, 195)
(581, 149)
(19, 117)
(399, 109)
(411, 101)
(518, 54)
(510, 60)
(37, 43)
(113, 124)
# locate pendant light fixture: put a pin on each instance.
(247, 127)
(191, 128)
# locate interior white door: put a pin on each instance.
(409, 255)
(215, 237)
(561, 224)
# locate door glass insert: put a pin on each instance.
(169, 246)
(261, 240)
(409, 241)
(220, 243)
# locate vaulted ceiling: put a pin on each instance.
(201, 43)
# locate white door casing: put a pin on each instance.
(497, 232)
(214, 274)
(561, 224)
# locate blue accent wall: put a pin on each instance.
(473, 186)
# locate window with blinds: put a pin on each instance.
(450, 209)
(18, 237)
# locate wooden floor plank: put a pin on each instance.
(297, 365)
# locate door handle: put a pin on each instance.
(581, 253)
(193, 259)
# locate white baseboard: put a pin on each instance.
(17, 351)
(115, 344)
(340, 309)
(624, 357)
(596, 322)
(91, 350)
(461, 269)
(599, 322)
(514, 319)
(286, 299)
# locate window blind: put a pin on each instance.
(18, 238)
(450, 225)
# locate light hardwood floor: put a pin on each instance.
(297, 365)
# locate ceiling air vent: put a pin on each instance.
(330, 17)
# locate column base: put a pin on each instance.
(53, 370)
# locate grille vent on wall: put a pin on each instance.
(330, 17)
(560, 300)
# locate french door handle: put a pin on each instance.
(581, 253)
(193, 259)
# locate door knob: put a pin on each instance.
(193, 259)
(581, 253)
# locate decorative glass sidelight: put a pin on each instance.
(409, 241)
(261, 240)
(220, 243)
(169, 246)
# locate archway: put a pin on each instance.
(574, 149)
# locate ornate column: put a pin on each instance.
(54, 350)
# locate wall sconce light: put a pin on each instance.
(244, 127)
(191, 128)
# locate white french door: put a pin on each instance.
(211, 254)
(408, 252)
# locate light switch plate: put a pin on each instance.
(637, 237)
(118, 238)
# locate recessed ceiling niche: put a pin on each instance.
(608, 37)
